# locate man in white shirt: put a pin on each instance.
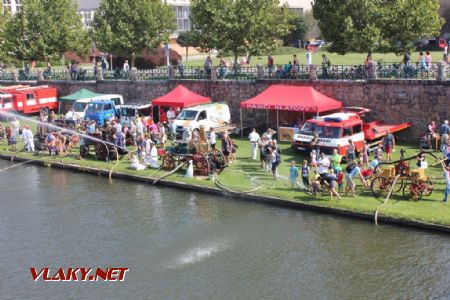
(323, 164)
(212, 138)
(254, 139)
(126, 66)
(139, 127)
(27, 135)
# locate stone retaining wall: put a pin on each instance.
(415, 101)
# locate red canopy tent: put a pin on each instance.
(292, 98)
(303, 99)
(180, 97)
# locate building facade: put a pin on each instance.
(12, 6)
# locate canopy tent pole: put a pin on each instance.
(242, 128)
(267, 118)
(278, 126)
(303, 117)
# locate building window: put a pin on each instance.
(7, 5)
(182, 18)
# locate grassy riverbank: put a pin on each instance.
(238, 178)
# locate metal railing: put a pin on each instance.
(245, 73)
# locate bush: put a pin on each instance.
(149, 59)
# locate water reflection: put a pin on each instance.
(183, 245)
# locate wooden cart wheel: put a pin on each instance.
(412, 191)
(201, 164)
(217, 156)
(168, 162)
(380, 186)
(399, 185)
(84, 151)
(427, 188)
(101, 151)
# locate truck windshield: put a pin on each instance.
(79, 106)
(323, 131)
(94, 107)
(187, 115)
(128, 112)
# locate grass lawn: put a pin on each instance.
(336, 59)
(239, 175)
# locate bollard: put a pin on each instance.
(442, 71)
(260, 69)
(15, 77)
(133, 74)
(312, 72)
(372, 71)
(40, 75)
(213, 73)
(99, 72)
(171, 72)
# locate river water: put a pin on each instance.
(185, 245)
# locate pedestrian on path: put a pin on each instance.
(254, 139)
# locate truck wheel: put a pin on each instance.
(45, 111)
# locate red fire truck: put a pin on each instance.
(336, 129)
(28, 100)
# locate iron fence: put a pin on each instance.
(245, 73)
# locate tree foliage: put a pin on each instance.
(298, 30)
(4, 16)
(376, 25)
(129, 27)
(44, 29)
(185, 39)
(238, 26)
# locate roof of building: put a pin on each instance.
(84, 5)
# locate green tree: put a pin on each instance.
(4, 16)
(238, 26)
(44, 29)
(376, 25)
(185, 39)
(129, 27)
(299, 27)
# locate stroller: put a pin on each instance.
(425, 141)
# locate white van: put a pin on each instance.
(129, 113)
(209, 115)
(79, 107)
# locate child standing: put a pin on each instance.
(305, 173)
(340, 181)
(293, 174)
(313, 159)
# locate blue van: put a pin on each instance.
(100, 111)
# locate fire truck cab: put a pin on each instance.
(336, 129)
(28, 100)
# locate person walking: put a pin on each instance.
(351, 150)
(444, 131)
(293, 175)
(422, 62)
(389, 145)
(212, 138)
(326, 63)
(305, 174)
(254, 140)
(336, 161)
(227, 147)
(270, 64)
(406, 58)
(126, 66)
(428, 59)
(27, 135)
(276, 158)
(446, 170)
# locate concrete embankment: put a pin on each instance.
(236, 196)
